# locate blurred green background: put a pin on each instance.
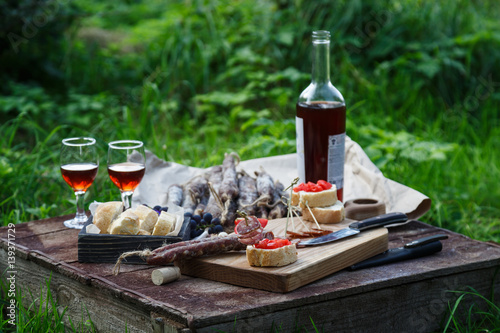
(196, 79)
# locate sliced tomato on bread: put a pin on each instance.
(269, 244)
(321, 185)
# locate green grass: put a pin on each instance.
(196, 79)
(38, 313)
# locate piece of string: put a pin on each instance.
(142, 254)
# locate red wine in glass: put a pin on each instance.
(126, 167)
(79, 163)
(79, 176)
(126, 176)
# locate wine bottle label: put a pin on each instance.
(301, 163)
(336, 156)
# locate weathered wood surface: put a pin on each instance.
(312, 264)
(410, 296)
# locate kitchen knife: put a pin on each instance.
(356, 227)
(416, 249)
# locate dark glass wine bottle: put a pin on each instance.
(320, 122)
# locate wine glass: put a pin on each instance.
(126, 167)
(79, 163)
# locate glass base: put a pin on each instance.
(75, 223)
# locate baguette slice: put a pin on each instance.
(271, 257)
(126, 224)
(331, 214)
(315, 199)
(105, 213)
(165, 224)
(147, 217)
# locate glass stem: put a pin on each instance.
(127, 199)
(80, 207)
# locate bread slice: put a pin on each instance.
(331, 214)
(165, 224)
(147, 216)
(105, 213)
(126, 224)
(315, 199)
(271, 257)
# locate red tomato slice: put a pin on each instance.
(321, 185)
(300, 187)
(324, 184)
(272, 244)
(263, 222)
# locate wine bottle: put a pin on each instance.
(320, 122)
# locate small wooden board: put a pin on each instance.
(313, 262)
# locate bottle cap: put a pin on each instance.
(321, 36)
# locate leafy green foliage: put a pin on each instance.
(32, 40)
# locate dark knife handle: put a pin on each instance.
(379, 221)
(399, 254)
(426, 240)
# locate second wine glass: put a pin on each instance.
(126, 167)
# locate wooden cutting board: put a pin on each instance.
(313, 262)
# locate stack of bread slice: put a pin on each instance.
(324, 205)
(111, 219)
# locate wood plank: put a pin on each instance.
(59, 245)
(44, 226)
(313, 262)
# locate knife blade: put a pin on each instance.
(415, 249)
(356, 227)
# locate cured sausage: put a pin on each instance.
(248, 195)
(198, 188)
(168, 247)
(215, 179)
(265, 189)
(202, 203)
(192, 249)
(250, 230)
(174, 195)
(229, 215)
(265, 185)
(188, 203)
(279, 210)
(229, 188)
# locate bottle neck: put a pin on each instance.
(321, 61)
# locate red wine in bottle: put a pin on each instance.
(320, 123)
